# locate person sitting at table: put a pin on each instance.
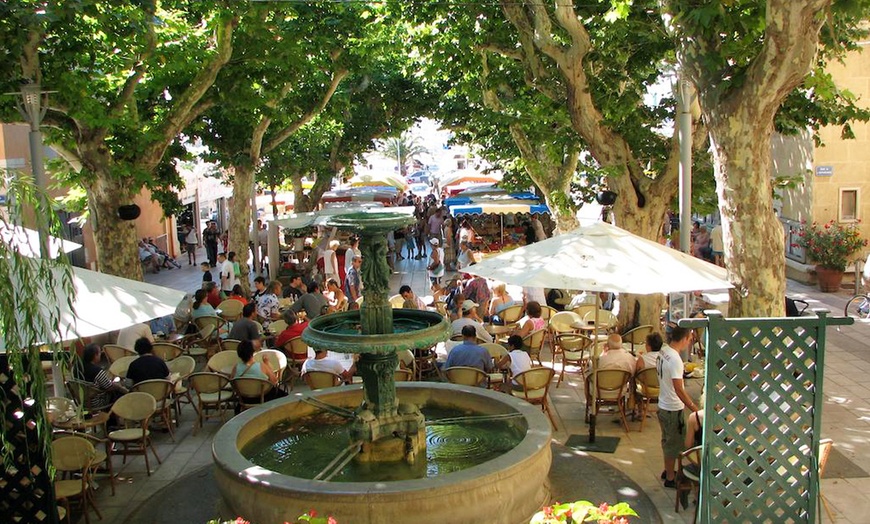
(163, 326)
(250, 368)
(532, 321)
(412, 301)
(128, 336)
(294, 328)
(90, 371)
(649, 358)
(323, 362)
(259, 289)
(501, 300)
(238, 294)
(201, 308)
(213, 294)
(296, 288)
(313, 303)
(517, 360)
(338, 300)
(246, 327)
(615, 356)
(470, 318)
(469, 353)
(148, 366)
(268, 307)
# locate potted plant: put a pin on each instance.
(830, 247)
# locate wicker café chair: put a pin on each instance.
(167, 351)
(223, 362)
(534, 341)
(183, 366)
(250, 391)
(231, 309)
(321, 379)
(496, 352)
(161, 390)
(87, 395)
(211, 394)
(536, 384)
(646, 390)
(113, 352)
(466, 376)
(102, 455)
(610, 391)
(635, 338)
(72, 458)
(403, 375)
(135, 409)
(119, 367)
(230, 344)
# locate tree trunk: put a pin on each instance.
(115, 239)
(240, 220)
(753, 236)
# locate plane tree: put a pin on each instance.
(125, 80)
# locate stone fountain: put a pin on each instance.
(387, 426)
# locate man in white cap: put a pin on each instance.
(435, 269)
(470, 318)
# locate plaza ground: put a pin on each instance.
(180, 490)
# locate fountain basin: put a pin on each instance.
(412, 329)
(507, 489)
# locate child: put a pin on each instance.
(206, 273)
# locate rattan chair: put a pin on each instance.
(321, 379)
(102, 454)
(250, 391)
(466, 376)
(277, 360)
(113, 352)
(610, 392)
(183, 366)
(161, 390)
(211, 394)
(119, 367)
(511, 315)
(72, 457)
(497, 352)
(646, 390)
(561, 323)
(135, 409)
(403, 375)
(575, 351)
(277, 326)
(202, 343)
(167, 351)
(534, 341)
(231, 309)
(88, 395)
(397, 301)
(633, 339)
(607, 321)
(223, 362)
(536, 384)
(209, 320)
(230, 344)
(688, 476)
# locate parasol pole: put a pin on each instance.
(593, 411)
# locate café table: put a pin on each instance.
(81, 423)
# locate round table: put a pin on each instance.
(496, 330)
(82, 424)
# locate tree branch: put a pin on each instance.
(288, 131)
(139, 69)
(175, 121)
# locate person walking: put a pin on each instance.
(190, 242)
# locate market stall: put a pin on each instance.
(499, 223)
(383, 194)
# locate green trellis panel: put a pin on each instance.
(763, 383)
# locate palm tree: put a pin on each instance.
(404, 149)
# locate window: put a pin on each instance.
(849, 201)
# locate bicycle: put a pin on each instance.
(858, 307)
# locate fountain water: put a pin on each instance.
(508, 488)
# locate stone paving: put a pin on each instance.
(846, 419)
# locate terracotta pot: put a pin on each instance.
(829, 279)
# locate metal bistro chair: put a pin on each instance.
(162, 391)
(136, 409)
(211, 394)
(610, 391)
(72, 456)
(466, 376)
(536, 384)
(321, 379)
